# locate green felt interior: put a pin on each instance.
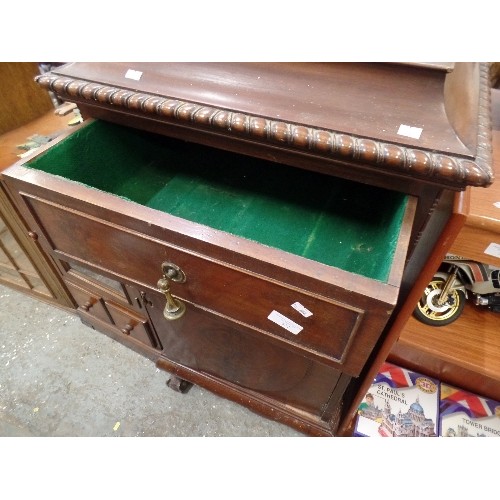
(348, 225)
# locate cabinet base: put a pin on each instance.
(302, 421)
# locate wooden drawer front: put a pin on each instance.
(89, 302)
(96, 303)
(132, 324)
(236, 293)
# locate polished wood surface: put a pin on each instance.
(223, 337)
(16, 269)
(465, 354)
(369, 115)
(216, 262)
(224, 341)
(310, 93)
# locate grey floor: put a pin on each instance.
(61, 378)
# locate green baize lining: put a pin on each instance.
(348, 225)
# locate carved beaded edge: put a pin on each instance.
(456, 172)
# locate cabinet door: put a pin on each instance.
(22, 265)
(105, 303)
(223, 350)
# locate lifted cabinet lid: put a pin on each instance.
(423, 122)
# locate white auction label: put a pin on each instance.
(133, 74)
(285, 322)
(493, 249)
(407, 131)
(302, 310)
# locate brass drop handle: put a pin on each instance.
(174, 308)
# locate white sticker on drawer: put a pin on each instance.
(302, 310)
(132, 74)
(407, 131)
(496, 204)
(284, 322)
(493, 249)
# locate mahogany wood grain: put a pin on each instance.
(224, 352)
(127, 241)
(306, 93)
(309, 116)
(132, 250)
(330, 110)
(465, 354)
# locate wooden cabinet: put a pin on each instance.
(242, 273)
(244, 241)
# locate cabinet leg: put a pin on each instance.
(178, 384)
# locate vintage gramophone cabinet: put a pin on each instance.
(256, 228)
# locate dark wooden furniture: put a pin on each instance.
(258, 229)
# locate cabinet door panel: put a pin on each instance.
(111, 306)
(228, 351)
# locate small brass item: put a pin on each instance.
(173, 272)
(174, 308)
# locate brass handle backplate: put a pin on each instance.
(174, 308)
(173, 272)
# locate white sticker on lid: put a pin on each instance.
(493, 249)
(284, 322)
(302, 310)
(132, 74)
(497, 204)
(407, 131)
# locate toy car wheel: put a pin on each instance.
(430, 312)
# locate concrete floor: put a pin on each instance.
(61, 378)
